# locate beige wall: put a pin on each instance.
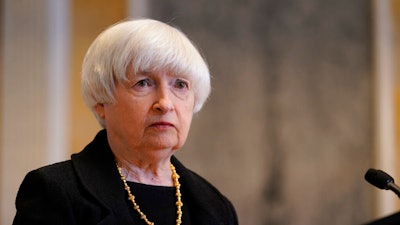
(256, 137)
(34, 78)
(89, 18)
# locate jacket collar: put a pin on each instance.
(97, 171)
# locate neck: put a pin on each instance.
(147, 172)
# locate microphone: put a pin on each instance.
(381, 180)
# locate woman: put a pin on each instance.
(143, 80)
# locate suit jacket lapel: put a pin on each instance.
(96, 169)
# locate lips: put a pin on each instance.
(162, 124)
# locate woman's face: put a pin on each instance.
(151, 111)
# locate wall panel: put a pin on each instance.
(90, 17)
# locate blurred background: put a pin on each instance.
(305, 99)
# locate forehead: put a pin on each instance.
(131, 74)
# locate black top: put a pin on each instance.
(157, 203)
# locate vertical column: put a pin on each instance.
(59, 79)
(385, 118)
(34, 84)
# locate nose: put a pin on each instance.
(163, 101)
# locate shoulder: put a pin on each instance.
(56, 168)
(54, 195)
(44, 192)
(193, 179)
(52, 179)
(59, 173)
(201, 186)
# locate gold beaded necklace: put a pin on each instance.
(178, 203)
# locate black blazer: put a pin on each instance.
(87, 190)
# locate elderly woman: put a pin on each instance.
(143, 80)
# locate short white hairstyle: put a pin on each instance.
(145, 45)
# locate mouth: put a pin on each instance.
(162, 125)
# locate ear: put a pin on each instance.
(99, 108)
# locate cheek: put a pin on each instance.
(116, 114)
(189, 105)
(187, 117)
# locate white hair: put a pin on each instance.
(146, 45)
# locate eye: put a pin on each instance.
(143, 83)
(181, 84)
